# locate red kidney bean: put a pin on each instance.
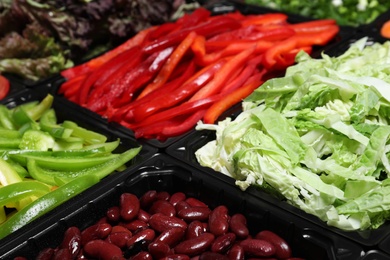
(158, 249)
(219, 220)
(113, 214)
(195, 229)
(164, 207)
(72, 240)
(239, 226)
(195, 202)
(148, 198)
(144, 235)
(143, 216)
(97, 231)
(143, 255)
(134, 225)
(129, 206)
(62, 254)
(181, 205)
(119, 239)
(119, 228)
(171, 236)
(103, 250)
(163, 195)
(257, 247)
(20, 258)
(176, 257)
(195, 246)
(176, 197)
(282, 248)
(46, 254)
(212, 256)
(223, 243)
(194, 213)
(102, 220)
(236, 252)
(161, 222)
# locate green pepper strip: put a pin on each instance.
(48, 123)
(59, 177)
(10, 142)
(64, 163)
(19, 190)
(6, 120)
(25, 113)
(89, 136)
(46, 203)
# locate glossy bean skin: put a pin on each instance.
(103, 250)
(46, 254)
(134, 225)
(171, 236)
(181, 205)
(142, 256)
(161, 222)
(119, 228)
(97, 231)
(219, 220)
(129, 206)
(193, 202)
(257, 247)
(176, 197)
(282, 248)
(144, 235)
(113, 214)
(236, 252)
(195, 229)
(195, 246)
(158, 249)
(238, 225)
(143, 216)
(163, 207)
(72, 240)
(223, 243)
(176, 257)
(148, 198)
(120, 239)
(194, 213)
(163, 195)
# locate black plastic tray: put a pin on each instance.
(164, 173)
(66, 112)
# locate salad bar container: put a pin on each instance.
(164, 173)
(171, 166)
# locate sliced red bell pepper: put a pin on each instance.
(72, 83)
(177, 95)
(222, 76)
(127, 58)
(208, 28)
(265, 19)
(4, 86)
(232, 98)
(137, 40)
(169, 65)
(312, 26)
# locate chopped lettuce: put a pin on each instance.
(317, 137)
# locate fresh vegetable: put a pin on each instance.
(385, 29)
(4, 87)
(169, 75)
(345, 12)
(43, 163)
(317, 138)
(39, 38)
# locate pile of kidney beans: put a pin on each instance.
(162, 226)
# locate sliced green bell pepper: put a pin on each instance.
(46, 203)
(6, 120)
(19, 190)
(31, 111)
(8, 174)
(48, 123)
(90, 137)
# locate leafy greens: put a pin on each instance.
(318, 137)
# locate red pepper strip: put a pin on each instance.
(71, 82)
(288, 59)
(72, 90)
(178, 95)
(92, 64)
(210, 27)
(313, 26)
(223, 74)
(127, 83)
(110, 67)
(232, 98)
(117, 114)
(169, 65)
(182, 109)
(199, 15)
(172, 130)
(297, 41)
(240, 79)
(265, 19)
(4, 87)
